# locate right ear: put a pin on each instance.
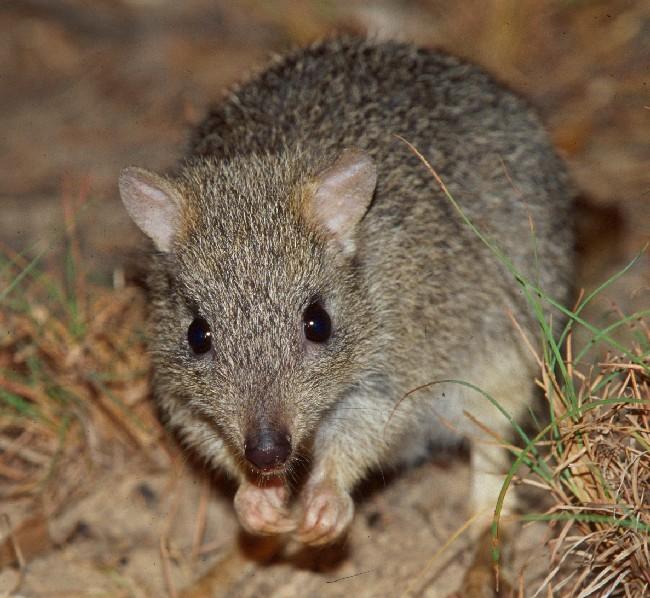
(341, 195)
(153, 203)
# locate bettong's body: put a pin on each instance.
(309, 273)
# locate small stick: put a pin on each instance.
(167, 573)
(18, 552)
(201, 519)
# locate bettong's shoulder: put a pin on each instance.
(348, 89)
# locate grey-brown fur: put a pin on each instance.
(420, 299)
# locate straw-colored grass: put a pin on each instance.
(598, 456)
(73, 377)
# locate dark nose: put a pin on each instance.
(267, 448)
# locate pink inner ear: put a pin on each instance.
(343, 193)
(153, 204)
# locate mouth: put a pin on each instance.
(269, 471)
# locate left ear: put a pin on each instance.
(154, 204)
(341, 194)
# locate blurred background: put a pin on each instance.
(90, 86)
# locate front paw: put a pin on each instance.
(326, 515)
(262, 510)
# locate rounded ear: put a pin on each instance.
(153, 203)
(341, 195)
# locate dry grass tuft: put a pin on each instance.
(73, 379)
(599, 464)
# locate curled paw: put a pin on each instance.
(262, 510)
(326, 515)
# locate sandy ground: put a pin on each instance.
(87, 88)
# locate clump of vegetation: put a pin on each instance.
(593, 458)
(597, 472)
(73, 375)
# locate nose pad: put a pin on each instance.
(267, 448)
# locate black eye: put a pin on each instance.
(199, 336)
(317, 323)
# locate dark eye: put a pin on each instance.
(199, 336)
(317, 323)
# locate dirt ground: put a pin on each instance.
(88, 87)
